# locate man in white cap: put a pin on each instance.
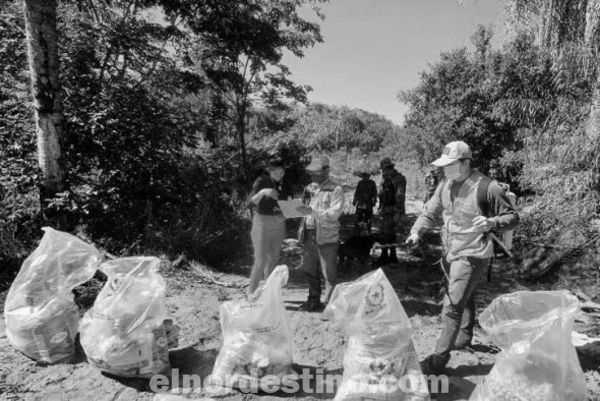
(467, 244)
(319, 232)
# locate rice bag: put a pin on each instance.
(257, 339)
(538, 361)
(380, 362)
(41, 316)
(126, 333)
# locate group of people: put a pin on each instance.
(456, 199)
(392, 196)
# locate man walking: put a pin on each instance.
(319, 233)
(466, 243)
(392, 196)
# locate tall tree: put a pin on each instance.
(243, 46)
(42, 49)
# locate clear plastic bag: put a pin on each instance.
(41, 316)
(257, 340)
(126, 331)
(380, 362)
(538, 361)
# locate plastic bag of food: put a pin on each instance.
(257, 340)
(538, 361)
(41, 317)
(380, 362)
(126, 331)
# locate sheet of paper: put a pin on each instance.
(288, 208)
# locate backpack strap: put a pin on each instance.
(482, 191)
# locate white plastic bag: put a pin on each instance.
(538, 361)
(124, 333)
(381, 362)
(41, 317)
(257, 340)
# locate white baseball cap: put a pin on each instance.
(452, 152)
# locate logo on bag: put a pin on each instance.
(59, 337)
(375, 296)
(162, 342)
(374, 299)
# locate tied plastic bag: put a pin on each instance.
(380, 362)
(538, 361)
(257, 340)
(125, 332)
(41, 316)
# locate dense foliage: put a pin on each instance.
(152, 157)
(524, 109)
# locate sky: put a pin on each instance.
(374, 48)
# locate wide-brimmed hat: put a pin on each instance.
(452, 152)
(385, 163)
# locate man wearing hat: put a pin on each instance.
(392, 195)
(365, 198)
(466, 243)
(319, 232)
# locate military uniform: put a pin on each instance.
(392, 196)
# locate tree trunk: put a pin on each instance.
(593, 128)
(592, 24)
(42, 50)
(242, 138)
(552, 17)
(592, 38)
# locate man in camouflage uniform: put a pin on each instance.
(392, 195)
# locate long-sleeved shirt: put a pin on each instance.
(456, 203)
(365, 195)
(327, 203)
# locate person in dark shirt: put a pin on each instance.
(365, 198)
(268, 223)
(392, 198)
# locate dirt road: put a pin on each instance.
(195, 293)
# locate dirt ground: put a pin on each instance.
(195, 293)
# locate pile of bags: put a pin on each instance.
(127, 332)
(124, 334)
(41, 317)
(381, 362)
(538, 361)
(257, 340)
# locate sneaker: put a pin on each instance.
(311, 305)
(434, 365)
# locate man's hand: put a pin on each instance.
(483, 224)
(412, 239)
(304, 210)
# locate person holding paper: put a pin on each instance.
(268, 223)
(319, 232)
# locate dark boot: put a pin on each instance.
(393, 255)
